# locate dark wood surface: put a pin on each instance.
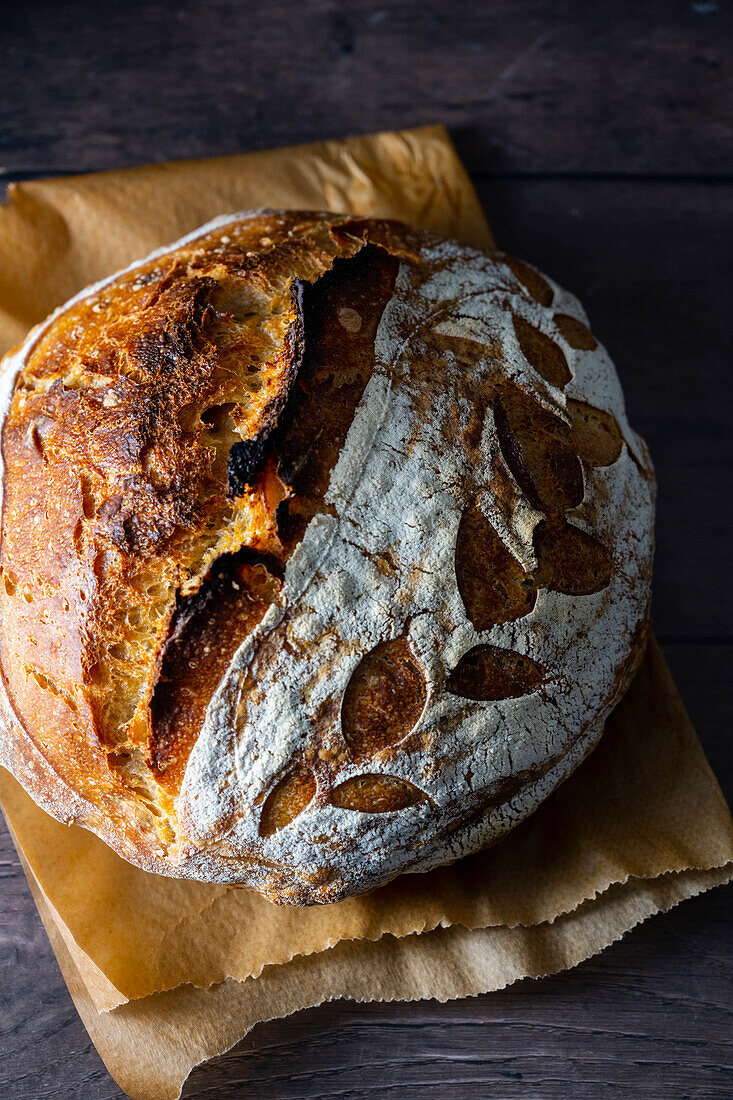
(599, 136)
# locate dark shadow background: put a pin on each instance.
(599, 136)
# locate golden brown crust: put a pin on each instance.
(117, 446)
(137, 422)
(172, 436)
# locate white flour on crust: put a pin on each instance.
(397, 490)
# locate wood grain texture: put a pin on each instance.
(527, 87)
(555, 108)
(650, 1016)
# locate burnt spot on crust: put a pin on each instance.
(384, 698)
(188, 418)
(289, 465)
(538, 449)
(376, 794)
(286, 801)
(542, 353)
(570, 560)
(246, 455)
(492, 584)
(243, 460)
(487, 673)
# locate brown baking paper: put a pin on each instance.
(166, 974)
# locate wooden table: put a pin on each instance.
(597, 136)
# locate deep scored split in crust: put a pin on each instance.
(388, 687)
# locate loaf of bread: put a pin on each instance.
(326, 552)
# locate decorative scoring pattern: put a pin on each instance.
(487, 672)
(376, 794)
(493, 585)
(439, 576)
(545, 453)
(384, 698)
(286, 801)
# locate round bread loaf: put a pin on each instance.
(326, 552)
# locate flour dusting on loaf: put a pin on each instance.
(427, 530)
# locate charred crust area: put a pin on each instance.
(342, 311)
(243, 461)
(246, 456)
(206, 631)
(141, 438)
(174, 434)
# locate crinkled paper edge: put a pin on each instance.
(172, 1033)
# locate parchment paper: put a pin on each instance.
(166, 974)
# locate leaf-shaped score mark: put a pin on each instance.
(493, 585)
(570, 560)
(596, 433)
(531, 280)
(575, 332)
(542, 353)
(286, 801)
(538, 449)
(383, 699)
(489, 673)
(376, 794)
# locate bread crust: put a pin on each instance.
(326, 551)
